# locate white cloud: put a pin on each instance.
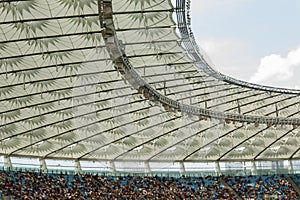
(274, 67)
(233, 57)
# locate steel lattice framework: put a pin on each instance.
(124, 80)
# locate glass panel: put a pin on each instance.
(94, 166)
(27, 163)
(60, 165)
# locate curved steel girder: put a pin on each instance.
(119, 58)
(183, 17)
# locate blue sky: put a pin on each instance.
(254, 40)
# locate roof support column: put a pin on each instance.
(7, 163)
(253, 168)
(218, 168)
(291, 167)
(78, 168)
(182, 168)
(148, 168)
(112, 167)
(43, 165)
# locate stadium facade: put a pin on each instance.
(121, 86)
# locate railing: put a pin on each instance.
(258, 167)
(122, 64)
(169, 173)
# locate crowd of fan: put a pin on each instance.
(38, 185)
(262, 187)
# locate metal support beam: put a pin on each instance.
(7, 163)
(43, 165)
(291, 167)
(218, 168)
(148, 168)
(182, 168)
(78, 168)
(112, 166)
(253, 168)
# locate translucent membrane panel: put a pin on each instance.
(60, 165)
(199, 167)
(94, 166)
(25, 163)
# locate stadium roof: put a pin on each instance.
(123, 80)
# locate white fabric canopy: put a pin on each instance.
(62, 97)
